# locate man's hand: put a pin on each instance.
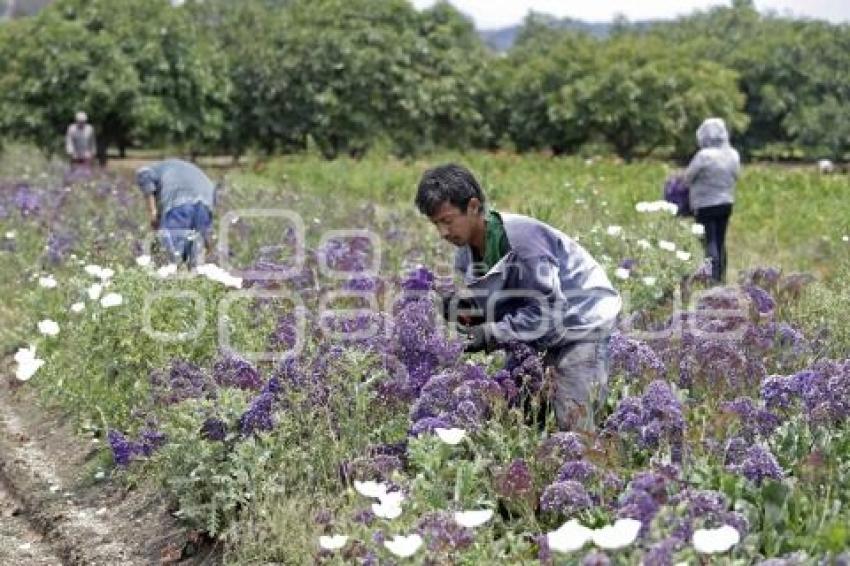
(477, 339)
(451, 304)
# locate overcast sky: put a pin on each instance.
(489, 14)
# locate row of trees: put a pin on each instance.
(346, 75)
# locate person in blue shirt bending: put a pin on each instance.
(180, 201)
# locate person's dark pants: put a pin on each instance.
(715, 220)
(184, 230)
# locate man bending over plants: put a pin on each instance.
(526, 282)
(180, 200)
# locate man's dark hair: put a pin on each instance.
(447, 183)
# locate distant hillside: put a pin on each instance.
(503, 39)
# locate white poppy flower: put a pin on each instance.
(143, 260)
(106, 273)
(10, 235)
(472, 519)
(94, 291)
(111, 300)
(684, 256)
(621, 273)
(649, 281)
(697, 229)
(167, 270)
(25, 354)
(78, 307)
(845, 238)
(614, 230)
(370, 489)
(569, 537)
(27, 368)
(404, 546)
(48, 327)
(387, 510)
(93, 270)
(665, 245)
(644, 244)
(715, 541)
(392, 498)
(619, 535)
(334, 542)
(450, 436)
(219, 275)
(48, 282)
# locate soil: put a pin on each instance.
(56, 509)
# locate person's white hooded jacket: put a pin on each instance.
(713, 172)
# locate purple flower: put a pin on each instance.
(443, 534)
(214, 429)
(662, 552)
(628, 263)
(150, 440)
(515, 482)
(578, 470)
(259, 416)
(420, 279)
(755, 421)
(779, 392)
(762, 300)
(123, 450)
(565, 498)
(563, 446)
(233, 371)
(758, 463)
(634, 358)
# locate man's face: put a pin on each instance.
(455, 226)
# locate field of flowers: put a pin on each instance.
(300, 399)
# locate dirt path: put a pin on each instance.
(19, 543)
(55, 508)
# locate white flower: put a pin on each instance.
(167, 270)
(106, 273)
(619, 535)
(450, 436)
(472, 519)
(111, 300)
(614, 230)
(845, 238)
(10, 235)
(370, 489)
(649, 281)
(665, 245)
(697, 229)
(826, 166)
(569, 537)
(143, 260)
(93, 270)
(78, 307)
(25, 354)
(714, 541)
(94, 291)
(27, 368)
(334, 542)
(387, 510)
(404, 547)
(657, 206)
(48, 282)
(215, 273)
(392, 498)
(621, 273)
(683, 255)
(48, 327)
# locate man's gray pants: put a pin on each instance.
(580, 379)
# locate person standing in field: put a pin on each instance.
(180, 202)
(533, 285)
(79, 141)
(712, 175)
